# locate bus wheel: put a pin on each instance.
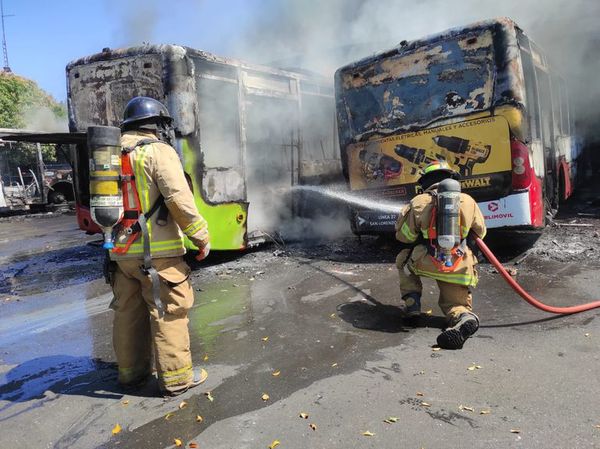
(56, 198)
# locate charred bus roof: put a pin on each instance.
(100, 85)
(411, 86)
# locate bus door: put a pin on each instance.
(272, 147)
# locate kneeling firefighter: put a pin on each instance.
(435, 231)
(147, 272)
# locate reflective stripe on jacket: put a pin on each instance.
(157, 170)
(414, 222)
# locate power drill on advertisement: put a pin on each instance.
(467, 153)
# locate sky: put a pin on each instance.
(43, 36)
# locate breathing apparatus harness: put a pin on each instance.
(446, 246)
(135, 221)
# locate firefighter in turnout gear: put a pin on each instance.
(150, 280)
(453, 266)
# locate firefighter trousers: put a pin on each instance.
(138, 331)
(454, 299)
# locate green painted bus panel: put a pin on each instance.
(226, 222)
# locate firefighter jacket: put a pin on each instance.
(413, 227)
(158, 171)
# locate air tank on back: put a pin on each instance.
(106, 199)
(448, 218)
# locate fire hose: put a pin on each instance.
(526, 296)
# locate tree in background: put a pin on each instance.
(24, 105)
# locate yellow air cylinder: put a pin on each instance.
(106, 199)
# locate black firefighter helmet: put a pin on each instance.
(435, 172)
(144, 110)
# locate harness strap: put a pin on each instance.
(148, 269)
(130, 215)
(141, 225)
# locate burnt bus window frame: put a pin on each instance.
(531, 88)
(210, 104)
(546, 107)
(564, 108)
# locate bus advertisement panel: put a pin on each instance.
(481, 97)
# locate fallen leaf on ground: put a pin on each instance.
(390, 420)
(597, 426)
(168, 416)
(182, 404)
(274, 444)
(265, 338)
(515, 430)
(116, 429)
(333, 365)
(193, 445)
(265, 397)
(474, 367)
(420, 394)
(428, 312)
(368, 434)
(178, 442)
(333, 315)
(275, 373)
(205, 357)
(485, 412)
(464, 407)
(209, 396)
(199, 418)
(304, 415)
(436, 348)
(312, 426)
(587, 334)
(425, 404)
(125, 402)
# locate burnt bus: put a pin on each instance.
(246, 134)
(481, 97)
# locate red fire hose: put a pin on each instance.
(526, 296)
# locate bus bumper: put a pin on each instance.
(509, 211)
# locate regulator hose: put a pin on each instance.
(526, 296)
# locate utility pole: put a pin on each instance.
(4, 48)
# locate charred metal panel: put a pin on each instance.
(220, 185)
(441, 79)
(181, 89)
(99, 90)
(433, 80)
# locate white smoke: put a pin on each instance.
(43, 119)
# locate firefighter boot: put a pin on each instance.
(413, 305)
(455, 336)
(200, 376)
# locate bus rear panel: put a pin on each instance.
(246, 134)
(460, 96)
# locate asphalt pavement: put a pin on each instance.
(305, 347)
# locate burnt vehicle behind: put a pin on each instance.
(28, 180)
(481, 97)
(246, 134)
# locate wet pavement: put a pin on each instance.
(315, 326)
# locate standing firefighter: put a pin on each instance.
(433, 230)
(150, 280)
